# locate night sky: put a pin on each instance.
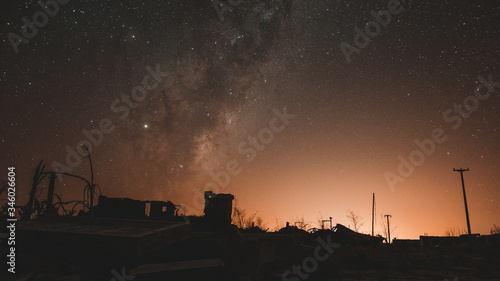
(287, 104)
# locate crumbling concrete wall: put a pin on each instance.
(218, 208)
(161, 210)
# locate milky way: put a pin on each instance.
(217, 73)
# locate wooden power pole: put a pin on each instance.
(465, 198)
(388, 229)
(373, 211)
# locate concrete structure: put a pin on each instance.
(160, 210)
(127, 208)
(218, 208)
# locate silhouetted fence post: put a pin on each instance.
(50, 194)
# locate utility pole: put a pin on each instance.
(388, 229)
(465, 198)
(373, 211)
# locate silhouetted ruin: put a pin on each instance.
(127, 208)
(218, 208)
(120, 208)
(154, 243)
(160, 210)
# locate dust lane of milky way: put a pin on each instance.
(216, 81)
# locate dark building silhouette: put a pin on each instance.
(160, 210)
(126, 208)
(218, 208)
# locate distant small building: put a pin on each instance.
(218, 208)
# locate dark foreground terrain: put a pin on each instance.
(77, 250)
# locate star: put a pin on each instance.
(215, 83)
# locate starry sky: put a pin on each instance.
(293, 106)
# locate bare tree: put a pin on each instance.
(451, 231)
(278, 224)
(34, 205)
(355, 219)
(300, 223)
(320, 220)
(238, 216)
(89, 191)
(250, 220)
(259, 222)
(242, 220)
(495, 229)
